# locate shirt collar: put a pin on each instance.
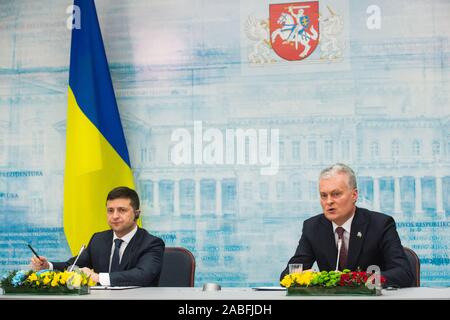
(126, 238)
(347, 224)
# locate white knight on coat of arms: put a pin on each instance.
(293, 32)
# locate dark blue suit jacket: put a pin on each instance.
(140, 264)
(379, 245)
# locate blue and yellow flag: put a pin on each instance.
(96, 152)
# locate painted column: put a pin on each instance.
(198, 211)
(397, 198)
(418, 190)
(440, 212)
(272, 190)
(219, 197)
(376, 193)
(176, 197)
(156, 208)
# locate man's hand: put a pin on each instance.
(39, 264)
(90, 273)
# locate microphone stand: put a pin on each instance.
(79, 253)
(339, 253)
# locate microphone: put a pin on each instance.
(76, 259)
(339, 253)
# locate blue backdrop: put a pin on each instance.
(374, 94)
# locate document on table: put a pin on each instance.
(113, 288)
(269, 288)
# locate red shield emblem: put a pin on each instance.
(294, 29)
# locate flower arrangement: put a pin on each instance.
(331, 282)
(46, 282)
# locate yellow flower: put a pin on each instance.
(91, 282)
(75, 280)
(63, 277)
(287, 281)
(55, 281)
(304, 278)
(295, 277)
(32, 277)
(298, 279)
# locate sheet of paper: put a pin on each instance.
(113, 288)
(269, 288)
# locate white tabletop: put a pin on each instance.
(422, 293)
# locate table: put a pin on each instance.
(421, 293)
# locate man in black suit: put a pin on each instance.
(365, 237)
(126, 255)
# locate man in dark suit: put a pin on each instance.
(126, 255)
(364, 237)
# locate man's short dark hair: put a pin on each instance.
(124, 193)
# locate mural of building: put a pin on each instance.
(379, 103)
(396, 174)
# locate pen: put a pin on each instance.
(35, 253)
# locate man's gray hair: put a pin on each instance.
(340, 168)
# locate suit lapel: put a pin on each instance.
(106, 253)
(328, 243)
(357, 235)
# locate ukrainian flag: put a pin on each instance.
(96, 152)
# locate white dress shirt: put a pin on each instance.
(103, 276)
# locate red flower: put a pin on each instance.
(382, 280)
(356, 279)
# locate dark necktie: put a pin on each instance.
(343, 252)
(116, 256)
